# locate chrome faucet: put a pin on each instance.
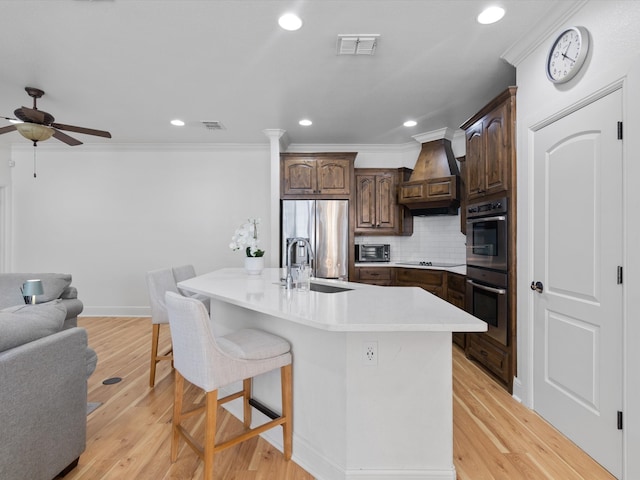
(293, 241)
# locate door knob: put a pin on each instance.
(537, 286)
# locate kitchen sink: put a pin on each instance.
(320, 287)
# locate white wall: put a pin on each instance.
(5, 208)
(108, 215)
(615, 48)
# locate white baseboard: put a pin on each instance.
(401, 474)
(89, 311)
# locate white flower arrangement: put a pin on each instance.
(246, 238)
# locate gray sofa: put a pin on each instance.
(44, 366)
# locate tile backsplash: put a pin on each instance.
(434, 239)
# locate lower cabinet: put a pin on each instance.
(492, 357)
(429, 280)
(375, 275)
(456, 295)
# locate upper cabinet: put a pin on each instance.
(377, 211)
(311, 175)
(490, 142)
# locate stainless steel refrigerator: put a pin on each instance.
(325, 224)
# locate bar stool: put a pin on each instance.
(158, 282)
(211, 363)
(185, 272)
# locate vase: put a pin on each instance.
(254, 265)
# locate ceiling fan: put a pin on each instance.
(38, 125)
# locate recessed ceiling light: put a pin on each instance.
(290, 21)
(410, 123)
(177, 123)
(491, 15)
(305, 122)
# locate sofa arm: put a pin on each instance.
(69, 292)
(43, 393)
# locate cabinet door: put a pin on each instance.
(365, 201)
(386, 205)
(429, 280)
(474, 164)
(334, 176)
(496, 133)
(299, 176)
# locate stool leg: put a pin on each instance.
(210, 433)
(155, 335)
(287, 409)
(245, 400)
(177, 414)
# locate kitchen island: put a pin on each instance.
(372, 371)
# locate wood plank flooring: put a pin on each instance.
(128, 437)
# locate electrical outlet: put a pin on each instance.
(370, 353)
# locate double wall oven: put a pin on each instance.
(487, 286)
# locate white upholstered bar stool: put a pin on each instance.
(185, 272)
(211, 363)
(159, 282)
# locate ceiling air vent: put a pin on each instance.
(363, 44)
(213, 125)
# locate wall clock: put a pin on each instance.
(567, 54)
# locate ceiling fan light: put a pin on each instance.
(35, 132)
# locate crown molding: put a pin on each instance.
(359, 147)
(146, 147)
(558, 15)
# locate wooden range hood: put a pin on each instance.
(434, 185)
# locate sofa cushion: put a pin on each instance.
(25, 323)
(53, 284)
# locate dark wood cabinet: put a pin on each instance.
(491, 356)
(429, 280)
(490, 148)
(489, 173)
(456, 295)
(377, 210)
(322, 175)
(375, 275)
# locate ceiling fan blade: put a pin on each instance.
(8, 129)
(63, 137)
(31, 115)
(87, 131)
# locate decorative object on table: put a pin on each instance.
(246, 238)
(30, 289)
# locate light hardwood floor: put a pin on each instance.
(128, 437)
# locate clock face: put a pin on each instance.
(567, 55)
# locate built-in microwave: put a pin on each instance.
(487, 235)
(373, 252)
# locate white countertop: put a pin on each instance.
(459, 269)
(365, 308)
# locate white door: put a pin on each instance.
(577, 251)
